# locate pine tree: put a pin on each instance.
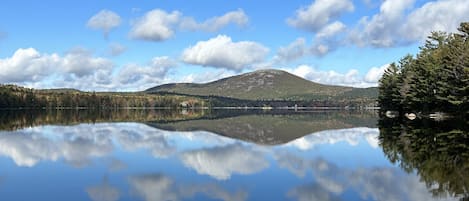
(389, 97)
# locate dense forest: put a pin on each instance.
(435, 80)
(12, 96)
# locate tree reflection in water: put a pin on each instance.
(437, 151)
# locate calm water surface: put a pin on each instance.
(226, 155)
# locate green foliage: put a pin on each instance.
(437, 79)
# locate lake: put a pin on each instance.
(231, 155)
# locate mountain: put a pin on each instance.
(271, 128)
(267, 85)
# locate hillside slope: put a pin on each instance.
(267, 85)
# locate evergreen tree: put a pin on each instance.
(436, 80)
(389, 97)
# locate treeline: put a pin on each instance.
(12, 96)
(436, 79)
(220, 101)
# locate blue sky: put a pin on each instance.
(133, 45)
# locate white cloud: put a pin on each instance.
(375, 73)
(222, 162)
(294, 50)
(430, 17)
(79, 69)
(328, 38)
(161, 187)
(330, 30)
(381, 29)
(206, 76)
(154, 187)
(319, 13)
(116, 49)
(27, 148)
(104, 20)
(156, 25)
(396, 25)
(143, 77)
(352, 136)
(28, 65)
(159, 25)
(80, 62)
(351, 78)
(222, 52)
(237, 17)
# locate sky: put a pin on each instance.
(134, 45)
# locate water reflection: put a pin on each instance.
(437, 151)
(223, 161)
(266, 156)
(161, 187)
(103, 191)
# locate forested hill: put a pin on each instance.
(12, 96)
(270, 85)
(435, 80)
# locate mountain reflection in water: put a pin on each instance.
(216, 155)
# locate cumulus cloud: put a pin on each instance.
(222, 162)
(429, 18)
(162, 187)
(319, 13)
(79, 69)
(375, 73)
(294, 50)
(79, 144)
(143, 77)
(156, 25)
(80, 62)
(156, 143)
(352, 136)
(222, 52)
(159, 25)
(350, 78)
(28, 65)
(396, 25)
(105, 21)
(27, 148)
(330, 30)
(154, 187)
(237, 17)
(328, 38)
